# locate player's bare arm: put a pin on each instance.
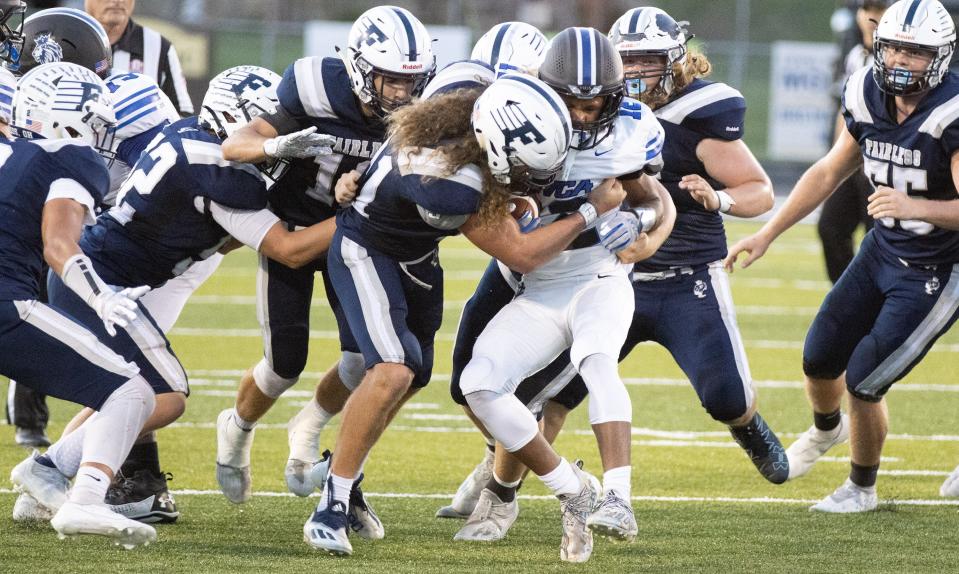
(748, 190)
(525, 252)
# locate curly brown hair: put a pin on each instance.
(443, 122)
(696, 66)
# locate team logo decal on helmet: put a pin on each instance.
(917, 25)
(46, 50)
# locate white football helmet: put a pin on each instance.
(525, 128)
(139, 105)
(650, 32)
(8, 86)
(390, 42)
(236, 96)
(65, 101)
(511, 47)
(923, 25)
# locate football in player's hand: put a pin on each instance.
(521, 206)
(525, 210)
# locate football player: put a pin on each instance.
(901, 291)
(54, 35)
(323, 102)
(426, 184)
(142, 110)
(580, 294)
(48, 188)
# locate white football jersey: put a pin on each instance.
(636, 141)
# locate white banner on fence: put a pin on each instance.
(451, 43)
(802, 111)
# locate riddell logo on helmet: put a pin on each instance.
(412, 66)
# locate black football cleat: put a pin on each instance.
(763, 448)
(31, 438)
(143, 496)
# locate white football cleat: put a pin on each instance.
(491, 519)
(468, 493)
(848, 498)
(298, 477)
(950, 487)
(812, 444)
(303, 438)
(46, 485)
(27, 509)
(233, 446)
(614, 519)
(577, 544)
(326, 530)
(361, 516)
(75, 519)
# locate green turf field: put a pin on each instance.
(700, 504)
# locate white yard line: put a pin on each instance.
(681, 436)
(549, 498)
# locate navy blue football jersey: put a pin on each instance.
(162, 223)
(912, 157)
(407, 203)
(317, 92)
(704, 110)
(28, 169)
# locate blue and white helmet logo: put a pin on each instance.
(372, 34)
(516, 126)
(46, 50)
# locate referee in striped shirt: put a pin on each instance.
(141, 50)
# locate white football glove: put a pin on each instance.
(118, 308)
(304, 143)
(618, 231)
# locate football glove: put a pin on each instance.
(618, 231)
(304, 143)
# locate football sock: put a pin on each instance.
(562, 479)
(506, 491)
(864, 476)
(304, 431)
(242, 422)
(90, 486)
(67, 452)
(618, 481)
(338, 490)
(827, 421)
(142, 455)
